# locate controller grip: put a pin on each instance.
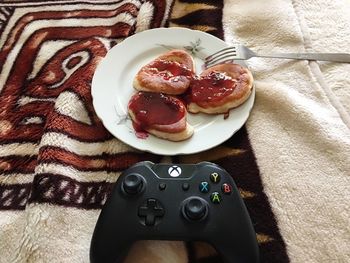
(230, 256)
(109, 243)
(235, 251)
(109, 251)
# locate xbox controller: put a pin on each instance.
(189, 202)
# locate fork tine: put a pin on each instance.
(222, 57)
(218, 53)
(211, 64)
(233, 52)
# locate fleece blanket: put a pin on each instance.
(58, 164)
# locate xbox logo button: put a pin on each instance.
(174, 171)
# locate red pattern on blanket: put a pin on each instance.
(49, 131)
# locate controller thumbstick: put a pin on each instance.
(195, 209)
(132, 184)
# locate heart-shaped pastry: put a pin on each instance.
(159, 114)
(219, 89)
(170, 73)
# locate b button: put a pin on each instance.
(226, 189)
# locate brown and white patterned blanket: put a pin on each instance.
(291, 161)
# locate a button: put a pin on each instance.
(215, 197)
(204, 187)
(226, 188)
(132, 184)
(162, 186)
(195, 209)
(185, 186)
(150, 211)
(215, 177)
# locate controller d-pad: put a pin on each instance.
(150, 211)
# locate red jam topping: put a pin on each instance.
(155, 109)
(211, 88)
(169, 70)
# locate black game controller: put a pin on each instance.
(189, 202)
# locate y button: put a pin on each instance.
(215, 177)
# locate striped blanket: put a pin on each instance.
(58, 163)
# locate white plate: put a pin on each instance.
(112, 89)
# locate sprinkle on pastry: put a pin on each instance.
(169, 73)
(161, 115)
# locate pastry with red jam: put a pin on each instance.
(159, 114)
(169, 73)
(219, 89)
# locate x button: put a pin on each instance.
(204, 187)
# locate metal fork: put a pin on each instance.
(240, 52)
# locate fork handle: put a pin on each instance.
(335, 57)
